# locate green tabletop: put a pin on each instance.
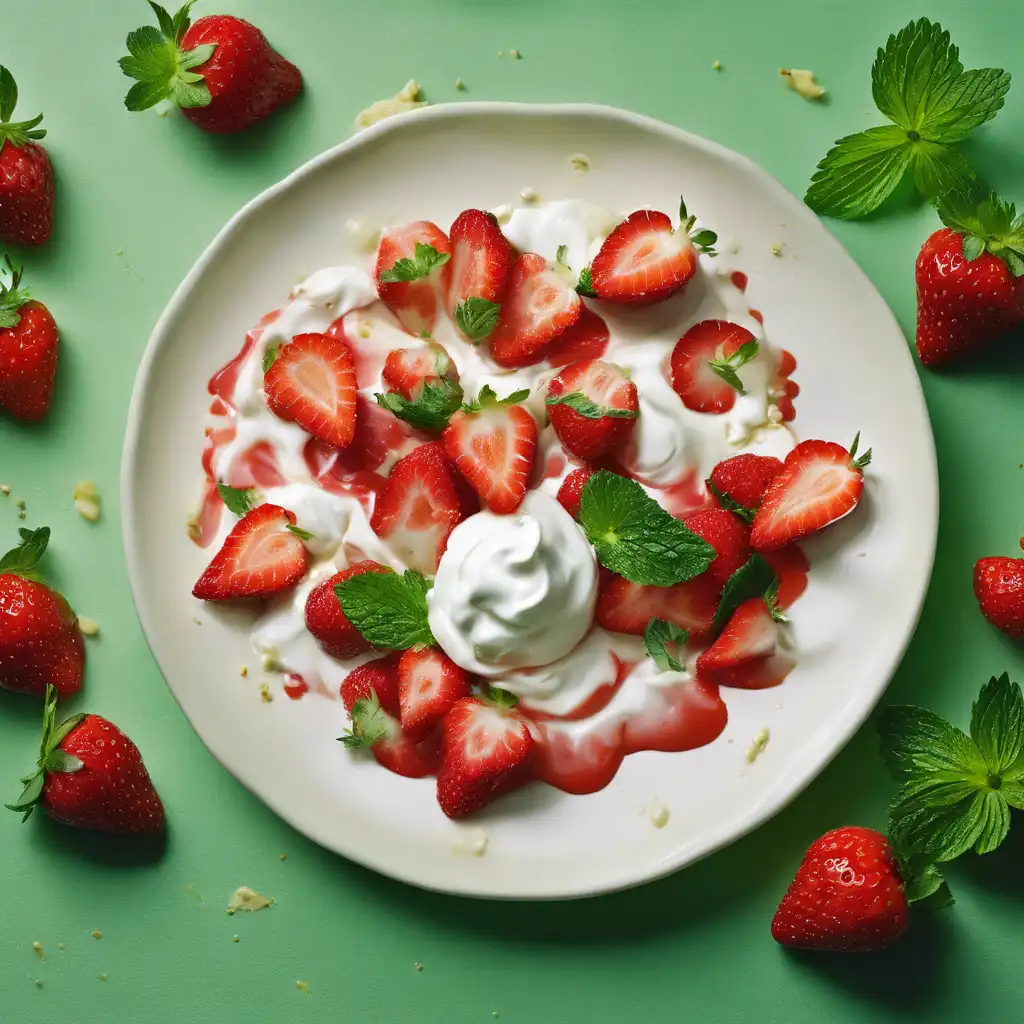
(139, 196)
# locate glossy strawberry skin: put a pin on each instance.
(745, 478)
(961, 304)
(28, 363)
(727, 534)
(571, 491)
(607, 386)
(847, 895)
(625, 607)
(999, 588)
(700, 388)
(481, 259)
(415, 303)
(26, 194)
(379, 676)
(429, 684)
(586, 339)
(248, 80)
(328, 623)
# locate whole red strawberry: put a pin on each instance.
(29, 344)
(225, 75)
(90, 775)
(970, 277)
(26, 177)
(999, 588)
(847, 895)
(40, 642)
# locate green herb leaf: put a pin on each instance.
(730, 504)
(476, 318)
(182, 20)
(196, 57)
(986, 222)
(635, 537)
(561, 256)
(370, 723)
(8, 94)
(60, 761)
(488, 398)
(269, 355)
(925, 882)
(937, 169)
(299, 532)
(389, 610)
(239, 501)
(657, 636)
(425, 260)
(586, 286)
(431, 410)
(917, 741)
(971, 100)
(1013, 793)
(588, 408)
(752, 579)
(164, 20)
(726, 368)
(997, 723)
(24, 559)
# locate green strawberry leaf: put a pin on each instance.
(424, 261)
(431, 410)
(997, 723)
(586, 407)
(657, 636)
(8, 94)
(239, 501)
(24, 559)
(586, 286)
(755, 578)
(476, 318)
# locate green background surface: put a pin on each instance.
(138, 199)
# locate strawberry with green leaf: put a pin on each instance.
(970, 276)
(221, 70)
(919, 84)
(26, 177)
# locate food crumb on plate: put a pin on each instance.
(529, 195)
(282, 856)
(265, 695)
(407, 98)
(417, 966)
(580, 163)
(235, 938)
(37, 948)
(802, 82)
(757, 745)
(243, 671)
(89, 627)
(775, 248)
(515, 54)
(87, 500)
(365, 237)
(244, 898)
(473, 842)
(658, 814)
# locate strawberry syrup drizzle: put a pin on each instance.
(295, 686)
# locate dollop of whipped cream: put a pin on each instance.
(514, 591)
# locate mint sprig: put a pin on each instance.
(727, 366)
(430, 410)
(919, 84)
(588, 408)
(24, 560)
(476, 318)
(389, 610)
(657, 636)
(239, 501)
(424, 261)
(755, 578)
(635, 537)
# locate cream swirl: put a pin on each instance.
(514, 591)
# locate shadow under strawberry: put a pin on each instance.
(108, 849)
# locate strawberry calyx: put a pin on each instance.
(488, 399)
(369, 724)
(24, 559)
(161, 68)
(986, 224)
(51, 757)
(17, 133)
(12, 296)
(725, 367)
(703, 240)
(859, 461)
(501, 700)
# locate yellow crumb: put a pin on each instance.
(282, 856)
(775, 248)
(757, 746)
(418, 966)
(5, 490)
(89, 627)
(580, 163)
(87, 500)
(243, 671)
(97, 934)
(460, 85)
(60, 945)
(803, 83)
(234, 938)
(265, 695)
(303, 987)
(407, 98)
(38, 949)
(244, 898)
(717, 66)
(102, 976)
(515, 54)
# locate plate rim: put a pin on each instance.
(817, 759)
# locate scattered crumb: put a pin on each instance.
(5, 490)
(282, 856)
(504, 212)
(60, 945)
(234, 938)
(758, 744)
(87, 500)
(717, 66)
(244, 898)
(97, 934)
(102, 976)
(192, 527)
(89, 627)
(473, 842)
(265, 695)
(120, 252)
(501, 53)
(580, 163)
(303, 987)
(460, 85)
(364, 331)
(658, 814)
(775, 248)
(408, 98)
(198, 621)
(515, 54)
(802, 82)
(269, 661)
(529, 195)
(418, 966)
(38, 949)
(243, 671)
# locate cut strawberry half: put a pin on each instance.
(486, 751)
(539, 305)
(750, 633)
(312, 382)
(727, 534)
(586, 339)
(571, 491)
(743, 481)
(374, 729)
(492, 443)
(644, 260)
(418, 508)
(261, 556)
(379, 677)
(625, 607)
(406, 369)
(704, 364)
(328, 623)
(820, 482)
(429, 684)
(412, 273)
(593, 407)
(481, 261)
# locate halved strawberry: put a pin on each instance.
(418, 508)
(412, 273)
(312, 381)
(571, 491)
(586, 339)
(645, 260)
(328, 623)
(486, 750)
(820, 482)
(539, 305)
(704, 364)
(429, 684)
(727, 534)
(261, 556)
(481, 260)
(625, 607)
(744, 479)
(492, 443)
(593, 407)
(746, 653)
(406, 369)
(374, 728)
(379, 677)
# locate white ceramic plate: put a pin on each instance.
(870, 571)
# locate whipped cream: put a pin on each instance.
(514, 590)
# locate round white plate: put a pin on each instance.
(851, 626)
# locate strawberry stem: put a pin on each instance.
(12, 296)
(855, 462)
(17, 133)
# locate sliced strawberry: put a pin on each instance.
(313, 383)
(727, 534)
(374, 728)
(571, 491)
(625, 607)
(379, 677)
(539, 305)
(750, 633)
(586, 339)
(745, 478)
(701, 364)
(429, 684)
(593, 407)
(486, 750)
(261, 556)
(481, 261)
(406, 369)
(411, 282)
(820, 482)
(492, 443)
(328, 623)
(418, 508)
(645, 260)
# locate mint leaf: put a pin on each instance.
(731, 504)
(24, 559)
(940, 822)
(424, 261)
(997, 723)
(586, 286)
(755, 578)
(299, 532)
(657, 636)
(635, 537)
(726, 367)
(369, 723)
(476, 318)
(431, 410)
(389, 610)
(239, 501)
(588, 408)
